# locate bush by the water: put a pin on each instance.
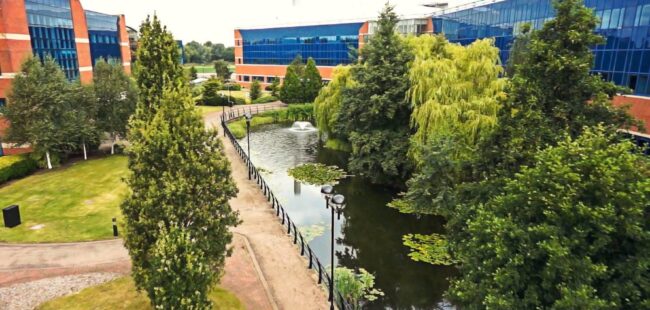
(15, 167)
(265, 99)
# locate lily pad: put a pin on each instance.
(317, 174)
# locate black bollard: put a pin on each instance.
(115, 233)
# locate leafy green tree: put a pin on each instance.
(292, 90)
(216, 50)
(569, 232)
(518, 50)
(116, 99)
(39, 110)
(312, 81)
(275, 87)
(222, 70)
(84, 102)
(177, 214)
(194, 74)
(256, 90)
(157, 66)
(196, 52)
(328, 103)
(211, 92)
(375, 111)
(229, 54)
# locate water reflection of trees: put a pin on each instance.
(374, 232)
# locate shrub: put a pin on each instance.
(265, 99)
(15, 167)
(256, 90)
(223, 100)
(231, 86)
(211, 95)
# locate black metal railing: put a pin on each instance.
(292, 230)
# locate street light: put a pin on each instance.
(249, 117)
(337, 203)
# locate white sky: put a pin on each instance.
(215, 20)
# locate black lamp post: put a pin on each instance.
(336, 203)
(249, 117)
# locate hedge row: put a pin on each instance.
(265, 99)
(15, 167)
(223, 100)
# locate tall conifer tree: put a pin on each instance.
(177, 214)
(312, 81)
(375, 111)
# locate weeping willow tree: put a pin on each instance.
(454, 90)
(455, 94)
(328, 102)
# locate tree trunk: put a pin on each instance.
(85, 153)
(49, 163)
(113, 145)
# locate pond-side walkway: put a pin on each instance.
(292, 284)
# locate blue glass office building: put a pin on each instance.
(52, 33)
(328, 45)
(103, 32)
(624, 59)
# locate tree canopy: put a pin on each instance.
(569, 232)
(116, 96)
(375, 111)
(41, 111)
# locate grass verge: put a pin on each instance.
(72, 203)
(121, 294)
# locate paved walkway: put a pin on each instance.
(292, 284)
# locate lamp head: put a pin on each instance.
(338, 200)
(327, 189)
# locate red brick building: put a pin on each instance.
(63, 30)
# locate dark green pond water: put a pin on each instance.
(368, 234)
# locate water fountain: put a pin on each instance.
(302, 127)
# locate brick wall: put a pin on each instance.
(639, 107)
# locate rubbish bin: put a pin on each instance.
(11, 216)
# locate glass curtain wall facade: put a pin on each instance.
(52, 33)
(624, 59)
(104, 37)
(328, 45)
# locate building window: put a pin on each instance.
(3, 102)
(270, 79)
(258, 78)
(247, 78)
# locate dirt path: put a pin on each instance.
(292, 284)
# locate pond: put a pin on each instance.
(368, 234)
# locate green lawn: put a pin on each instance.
(204, 109)
(200, 68)
(236, 93)
(73, 203)
(121, 294)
